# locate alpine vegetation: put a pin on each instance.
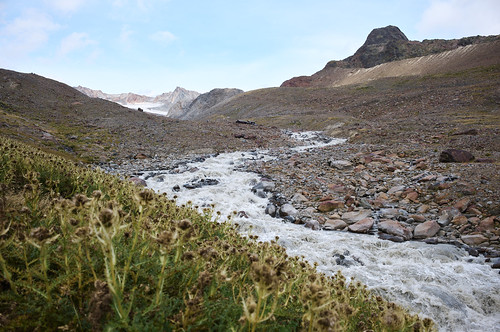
(84, 250)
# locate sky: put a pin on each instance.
(153, 46)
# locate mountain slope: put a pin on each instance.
(206, 101)
(403, 101)
(48, 113)
(386, 45)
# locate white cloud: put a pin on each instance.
(27, 32)
(65, 6)
(165, 37)
(75, 41)
(461, 18)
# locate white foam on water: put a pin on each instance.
(443, 282)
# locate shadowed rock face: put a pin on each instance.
(455, 156)
(384, 35)
(381, 45)
(206, 100)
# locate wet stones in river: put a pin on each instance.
(271, 210)
(346, 260)
(393, 227)
(288, 212)
(198, 183)
(312, 224)
(362, 226)
(263, 187)
(355, 216)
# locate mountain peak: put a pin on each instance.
(385, 35)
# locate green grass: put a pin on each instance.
(84, 250)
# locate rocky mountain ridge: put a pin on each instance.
(387, 45)
(178, 104)
(168, 101)
(206, 101)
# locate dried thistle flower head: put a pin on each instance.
(204, 279)
(185, 224)
(40, 233)
(79, 200)
(82, 232)
(188, 255)
(28, 187)
(166, 238)
(106, 217)
(251, 305)
(263, 273)
(146, 195)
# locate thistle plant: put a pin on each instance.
(81, 249)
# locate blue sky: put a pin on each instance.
(152, 46)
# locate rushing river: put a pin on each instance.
(442, 282)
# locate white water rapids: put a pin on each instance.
(443, 282)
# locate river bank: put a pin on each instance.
(389, 194)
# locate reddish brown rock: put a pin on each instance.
(459, 220)
(331, 205)
(138, 182)
(486, 225)
(412, 196)
(337, 188)
(423, 208)
(426, 229)
(455, 156)
(140, 156)
(392, 227)
(463, 204)
(421, 165)
(474, 239)
(362, 226)
(417, 217)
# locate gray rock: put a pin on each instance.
(334, 224)
(271, 210)
(260, 193)
(390, 237)
(264, 185)
(340, 164)
(288, 210)
(447, 216)
(312, 224)
(395, 189)
(299, 198)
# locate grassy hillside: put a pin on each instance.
(81, 250)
